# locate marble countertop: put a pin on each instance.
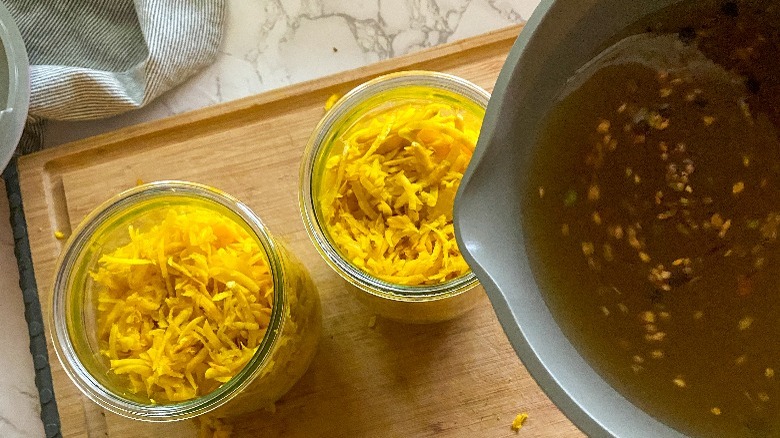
(267, 44)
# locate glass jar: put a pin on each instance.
(425, 303)
(281, 357)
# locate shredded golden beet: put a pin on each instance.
(388, 192)
(331, 101)
(519, 421)
(182, 307)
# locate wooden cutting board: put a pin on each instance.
(459, 378)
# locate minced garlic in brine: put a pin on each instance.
(388, 189)
(183, 306)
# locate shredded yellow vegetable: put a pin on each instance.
(388, 191)
(519, 421)
(182, 307)
(212, 427)
(331, 101)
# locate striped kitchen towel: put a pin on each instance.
(91, 59)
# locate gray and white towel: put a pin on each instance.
(92, 59)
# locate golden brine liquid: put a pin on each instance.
(654, 211)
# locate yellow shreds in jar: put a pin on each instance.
(388, 190)
(183, 306)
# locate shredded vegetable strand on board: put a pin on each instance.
(389, 194)
(183, 306)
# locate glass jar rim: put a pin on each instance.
(58, 304)
(309, 212)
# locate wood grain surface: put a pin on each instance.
(459, 378)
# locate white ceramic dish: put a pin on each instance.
(14, 86)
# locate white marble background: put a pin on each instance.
(268, 44)
(272, 43)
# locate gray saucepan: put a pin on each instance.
(559, 38)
